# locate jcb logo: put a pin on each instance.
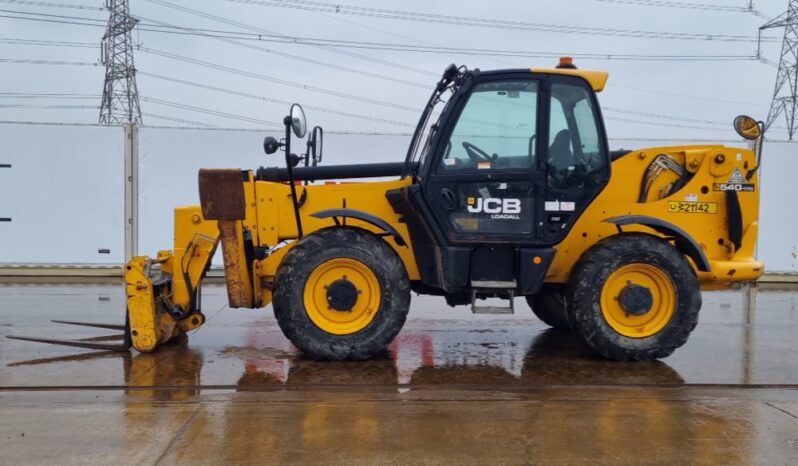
(492, 205)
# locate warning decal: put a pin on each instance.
(737, 176)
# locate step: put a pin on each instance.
(493, 284)
(509, 309)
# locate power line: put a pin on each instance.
(55, 21)
(192, 108)
(666, 117)
(20, 95)
(690, 6)
(56, 17)
(273, 100)
(47, 62)
(322, 109)
(308, 5)
(284, 82)
(274, 35)
(393, 47)
(323, 47)
(257, 76)
(670, 117)
(47, 43)
(253, 96)
(614, 85)
(54, 5)
(683, 96)
(50, 107)
(382, 46)
(681, 5)
(326, 64)
(92, 22)
(335, 45)
(179, 120)
(653, 123)
(412, 39)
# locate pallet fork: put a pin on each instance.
(163, 303)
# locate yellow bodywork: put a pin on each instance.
(597, 79)
(709, 230)
(276, 216)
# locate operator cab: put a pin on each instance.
(513, 160)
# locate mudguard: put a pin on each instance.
(684, 242)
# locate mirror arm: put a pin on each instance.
(294, 200)
(758, 148)
(306, 157)
(307, 153)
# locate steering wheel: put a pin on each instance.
(475, 153)
(558, 179)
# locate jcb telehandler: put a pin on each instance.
(513, 191)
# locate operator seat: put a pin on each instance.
(560, 155)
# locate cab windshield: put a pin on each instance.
(427, 126)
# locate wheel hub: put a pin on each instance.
(342, 295)
(635, 299)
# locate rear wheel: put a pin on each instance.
(341, 294)
(634, 297)
(549, 306)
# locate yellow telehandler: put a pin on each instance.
(513, 191)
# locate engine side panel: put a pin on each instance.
(699, 206)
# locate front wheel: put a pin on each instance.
(341, 294)
(634, 297)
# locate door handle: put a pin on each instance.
(448, 199)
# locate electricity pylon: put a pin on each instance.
(120, 102)
(786, 91)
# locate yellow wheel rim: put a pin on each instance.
(355, 275)
(663, 300)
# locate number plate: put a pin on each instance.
(693, 207)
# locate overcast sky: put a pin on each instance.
(383, 91)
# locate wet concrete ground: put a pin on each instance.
(454, 388)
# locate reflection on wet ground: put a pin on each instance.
(452, 388)
(439, 345)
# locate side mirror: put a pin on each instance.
(298, 122)
(316, 144)
(270, 145)
(747, 127)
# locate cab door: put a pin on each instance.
(486, 181)
(577, 156)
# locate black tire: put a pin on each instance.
(549, 306)
(588, 281)
(318, 248)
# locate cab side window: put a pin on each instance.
(496, 129)
(575, 149)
